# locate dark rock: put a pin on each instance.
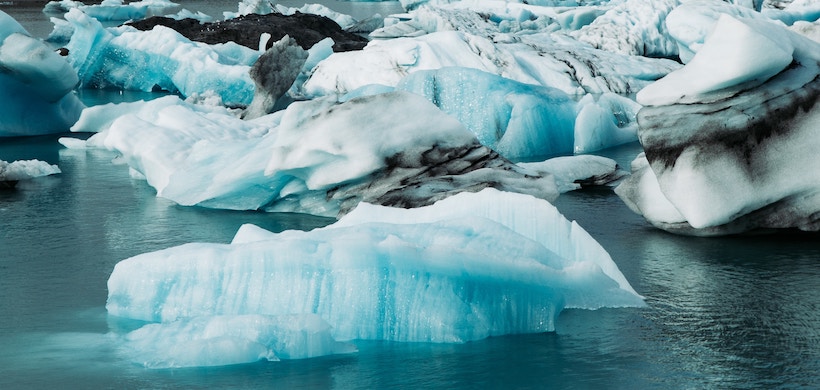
(306, 29)
(273, 73)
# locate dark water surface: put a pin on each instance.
(737, 312)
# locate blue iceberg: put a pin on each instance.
(468, 267)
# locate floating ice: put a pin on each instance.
(731, 138)
(315, 157)
(574, 172)
(158, 59)
(115, 10)
(36, 85)
(25, 169)
(466, 268)
(459, 37)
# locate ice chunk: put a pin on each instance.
(574, 172)
(25, 169)
(469, 267)
(738, 155)
(36, 85)
(605, 121)
(224, 340)
(315, 157)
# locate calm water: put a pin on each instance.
(723, 312)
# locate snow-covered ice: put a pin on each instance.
(466, 268)
(126, 58)
(36, 85)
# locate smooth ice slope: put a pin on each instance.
(36, 85)
(472, 266)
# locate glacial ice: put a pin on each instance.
(465, 268)
(315, 157)
(36, 85)
(25, 169)
(162, 59)
(732, 148)
(632, 27)
(114, 10)
(574, 172)
(445, 35)
(522, 122)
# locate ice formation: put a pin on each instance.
(158, 59)
(36, 85)
(25, 169)
(522, 122)
(574, 172)
(465, 268)
(315, 157)
(731, 139)
(115, 10)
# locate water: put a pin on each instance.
(740, 312)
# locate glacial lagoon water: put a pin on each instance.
(736, 312)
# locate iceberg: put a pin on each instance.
(160, 59)
(36, 85)
(306, 28)
(730, 139)
(15, 171)
(115, 10)
(317, 157)
(468, 267)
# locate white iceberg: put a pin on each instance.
(731, 138)
(25, 169)
(317, 157)
(36, 85)
(466, 268)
